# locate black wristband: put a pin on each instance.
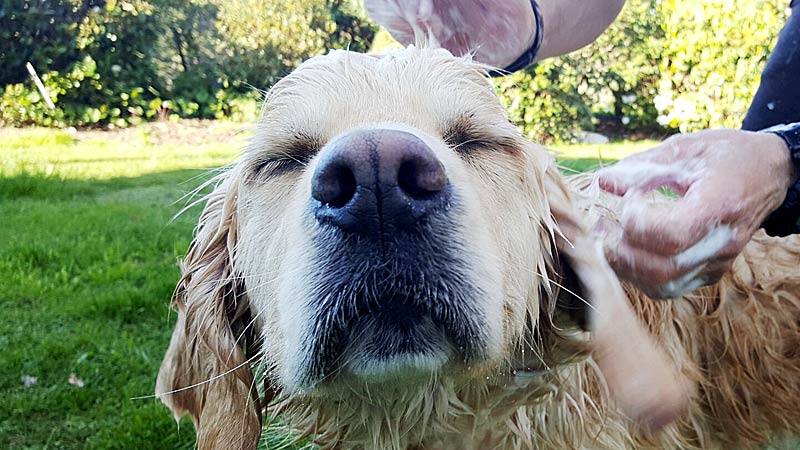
(786, 219)
(527, 58)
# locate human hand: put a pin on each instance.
(497, 32)
(728, 181)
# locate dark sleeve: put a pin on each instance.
(777, 101)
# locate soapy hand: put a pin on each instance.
(728, 182)
(498, 32)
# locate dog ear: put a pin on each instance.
(205, 372)
(638, 374)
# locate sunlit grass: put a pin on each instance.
(88, 257)
(584, 157)
(98, 156)
(611, 151)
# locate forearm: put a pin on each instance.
(572, 24)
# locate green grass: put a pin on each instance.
(88, 256)
(582, 157)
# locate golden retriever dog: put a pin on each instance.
(392, 266)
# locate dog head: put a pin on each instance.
(388, 234)
(392, 221)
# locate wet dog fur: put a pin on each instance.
(241, 343)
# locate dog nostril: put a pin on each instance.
(335, 187)
(421, 180)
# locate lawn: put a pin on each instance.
(88, 256)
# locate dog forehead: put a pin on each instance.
(422, 87)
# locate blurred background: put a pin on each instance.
(665, 65)
(148, 98)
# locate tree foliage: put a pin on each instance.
(677, 64)
(43, 33)
(122, 61)
(663, 65)
(713, 55)
(615, 76)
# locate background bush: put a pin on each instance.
(710, 82)
(119, 62)
(615, 77)
(664, 66)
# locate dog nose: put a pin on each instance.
(371, 181)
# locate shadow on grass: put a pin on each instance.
(53, 187)
(88, 270)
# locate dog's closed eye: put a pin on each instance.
(465, 137)
(285, 158)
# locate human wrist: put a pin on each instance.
(785, 219)
(786, 140)
(526, 50)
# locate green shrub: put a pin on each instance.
(117, 62)
(44, 33)
(664, 65)
(677, 64)
(615, 76)
(544, 100)
(712, 59)
(22, 104)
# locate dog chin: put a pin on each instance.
(387, 350)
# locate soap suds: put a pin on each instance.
(684, 284)
(716, 240)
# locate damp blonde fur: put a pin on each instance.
(229, 362)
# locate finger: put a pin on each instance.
(394, 18)
(664, 276)
(682, 285)
(692, 224)
(704, 275)
(645, 269)
(716, 270)
(663, 166)
(648, 269)
(718, 243)
(645, 176)
(674, 149)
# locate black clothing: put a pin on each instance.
(777, 101)
(778, 97)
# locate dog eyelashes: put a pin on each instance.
(277, 163)
(464, 138)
